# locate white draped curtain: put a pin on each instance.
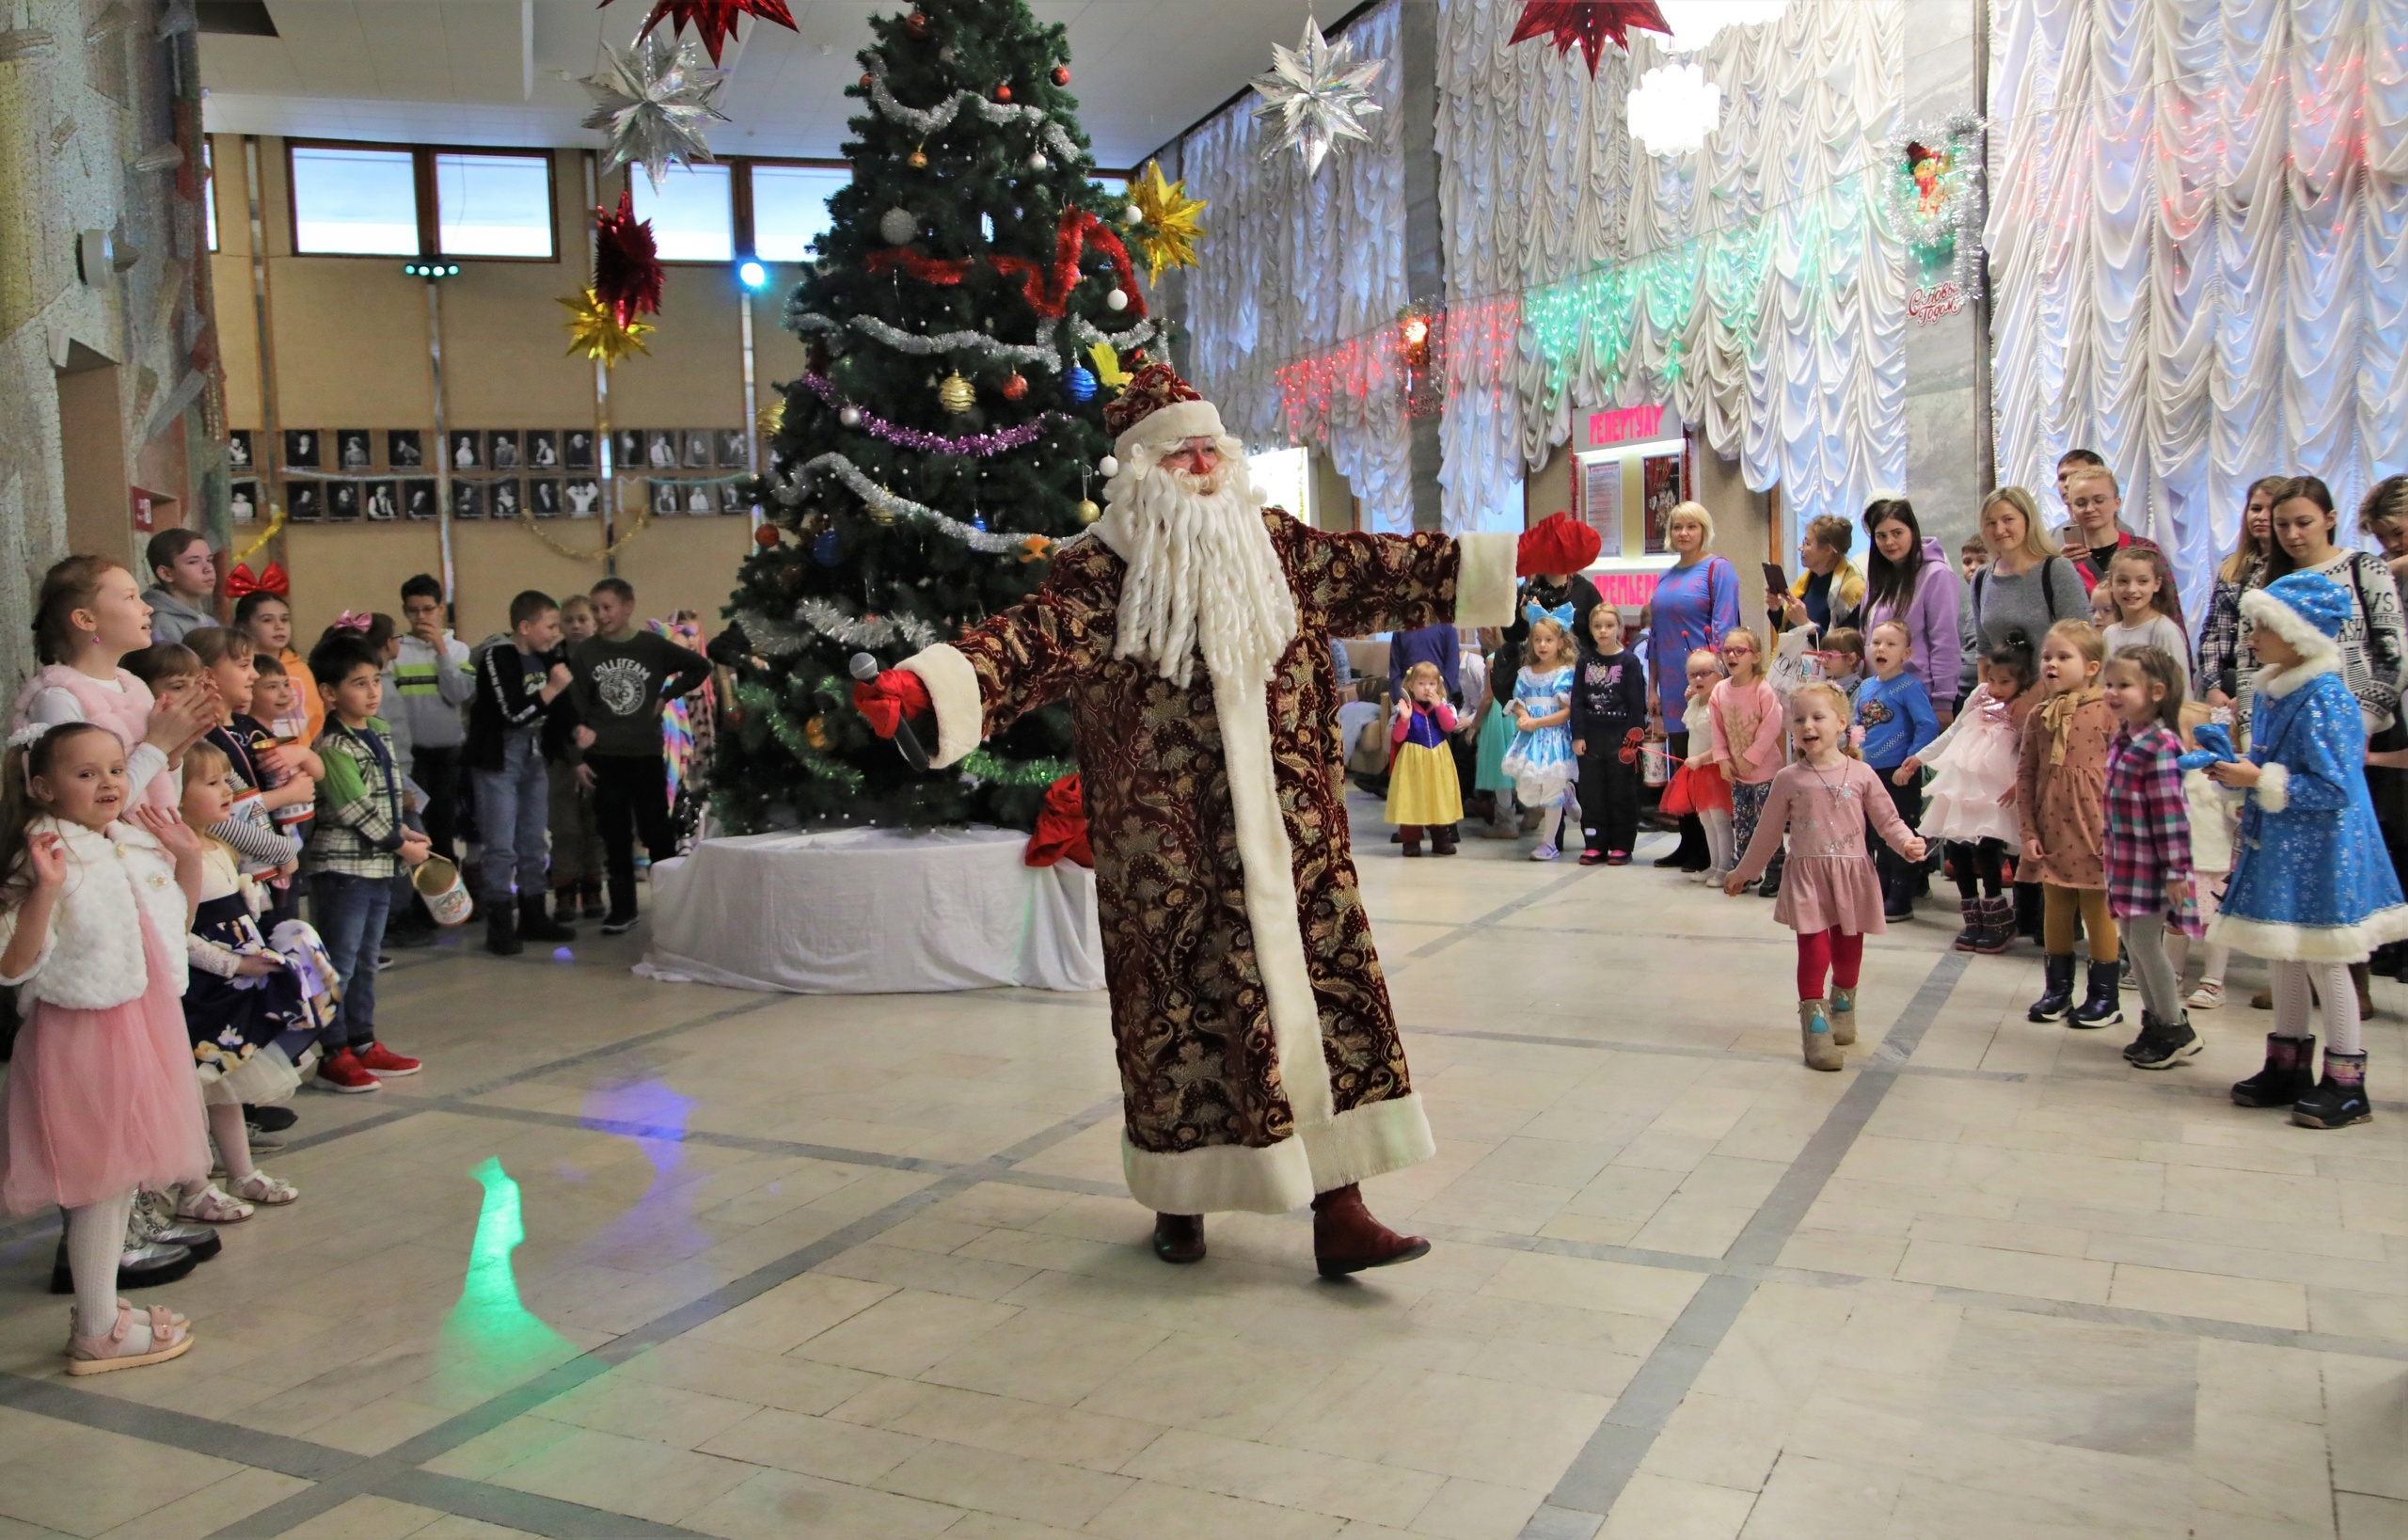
(2199, 251)
(1752, 285)
(1293, 266)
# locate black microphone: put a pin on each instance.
(864, 668)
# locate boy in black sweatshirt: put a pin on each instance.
(517, 676)
(1608, 717)
(619, 679)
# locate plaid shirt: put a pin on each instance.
(2148, 826)
(360, 821)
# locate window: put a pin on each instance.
(692, 215)
(354, 202)
(492, 205)
(791, 209)
(208, 193)
(1285, 478)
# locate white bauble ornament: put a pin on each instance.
(1108, 467)
(898, 225)
(1133, 215)
(1116, 300)
(851, 417)
(1038, 161)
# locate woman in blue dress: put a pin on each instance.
(1696, 604)
(2312, 890)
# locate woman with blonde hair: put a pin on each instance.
(2027, 588)
(2216, 673)
(1696, 605)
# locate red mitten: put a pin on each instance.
(885, 701)
(1555, 545)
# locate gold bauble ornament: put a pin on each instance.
(1088, 512)
(956, 396)
(917, 160)
(770, 418)
(815, 733)
(881, 515)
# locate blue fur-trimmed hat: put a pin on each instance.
(2305, 609)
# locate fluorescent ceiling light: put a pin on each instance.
(1695, 21)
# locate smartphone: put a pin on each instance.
(1776, 580)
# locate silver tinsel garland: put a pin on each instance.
(794, 489)
(926, 120)
(1957, 223)
(802, 321)
(819, 618)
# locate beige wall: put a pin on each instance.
(348, 349)
(1743, 521)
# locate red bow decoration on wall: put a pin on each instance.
(241, 584)
(1048, 290)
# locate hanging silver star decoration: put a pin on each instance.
(653, 100)
(1319, 94)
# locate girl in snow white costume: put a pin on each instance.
(2311, 890)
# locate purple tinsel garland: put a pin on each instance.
(980, 444)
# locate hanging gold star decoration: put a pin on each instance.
(1108, 372)
(594, 330)
(1171, 227)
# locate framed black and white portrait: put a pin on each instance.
(353, 450)
(543, 497)
(243, 502)
(501, 449)
(301, 448)
(467, 453)
(664, 499)
(238, 448)
(305, 501)
(577, 449)
(404, 450)
(701, 498)
(543, 450)
(660, 449)
(383, 505)
(697, 442)
(626, 451)
(732, 498)
(468, 500)
(342, 502)
(506, 496)
(583, 495)
(418, 499)
(732, 454)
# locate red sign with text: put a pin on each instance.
(1625, 425)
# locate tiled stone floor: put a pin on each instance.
(863, 1267)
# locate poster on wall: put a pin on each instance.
(1601, 503)
(383, 507)
(577, 449)
(664, 499)
(243, 502)
(238, 448)
(343, 502)
(660, 449)
(418, 499)
(404, 450)
(468, 500)
(543, 450)
(505, 499)
(466, 453)
(731, 456)
(1659, 481)
(305, 501)
(301, 449)
(698, 449)
(627, 450)
(583, 495)
(351, 449)
(732, 498)
(543, 497)
(501, 451)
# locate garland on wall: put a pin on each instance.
(1933, 196)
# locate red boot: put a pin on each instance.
(1346, 1239)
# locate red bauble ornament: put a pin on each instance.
(713, 21)
(627, 273)
(1015, 387)
(1003, 93)
(867, 83)
(1061, 74)
(1588, 23)
(766, 536)
(916, 25)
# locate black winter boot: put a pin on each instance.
(2100, 1007)
(1976, 920)
(2289, 1075)
(534, 924)
(2340, 1098)
(2163, 1044)
(2056, 997)
(1998, 926)
(502, 928)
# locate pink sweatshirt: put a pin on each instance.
(1748, 730)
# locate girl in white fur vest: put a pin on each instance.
(93, 912)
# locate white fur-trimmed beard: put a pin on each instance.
(1202, 571)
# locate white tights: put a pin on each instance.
(2340, 995)
(95, 1241)
(1552, 821)
(1718, 838)
(234, 1140)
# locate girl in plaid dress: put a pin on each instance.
(2148, 843)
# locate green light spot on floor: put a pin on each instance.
(490, 1329)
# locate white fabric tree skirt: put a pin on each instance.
(873, 911)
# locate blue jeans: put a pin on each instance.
(514, 813)
(350, 916)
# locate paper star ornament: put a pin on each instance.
(1172, 228)
(653, 100)
(595, 330)
(1588, 23)
(713, 21)
(1319, 94)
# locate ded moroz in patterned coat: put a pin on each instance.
(1259, 1056)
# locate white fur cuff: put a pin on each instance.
(1219, 1178)
(953, 689)
(1484, 579)
(2274, 787)
(2260, 608)
(1371, 1140)
(1169, 425)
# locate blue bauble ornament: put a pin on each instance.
(823, 549)
(1079, 384)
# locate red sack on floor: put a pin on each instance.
(1061, 826)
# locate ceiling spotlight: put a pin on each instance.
(431, 271)
(751, 274)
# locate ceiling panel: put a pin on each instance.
(450, 70)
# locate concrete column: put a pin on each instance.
(1949, 451)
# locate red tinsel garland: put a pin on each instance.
(1048, 293)
(627, 273)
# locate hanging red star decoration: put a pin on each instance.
(1588, 23)
(713, 21)
(627, 273)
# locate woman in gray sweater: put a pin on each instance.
(2028, 586)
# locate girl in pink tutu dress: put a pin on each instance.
(93, 912)
(1831, 895)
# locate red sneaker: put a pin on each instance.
(384, 1063)
(344, 1073)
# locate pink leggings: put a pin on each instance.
(1833, 951)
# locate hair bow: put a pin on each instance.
(349, 621)
(241, 584)
(1561, 614)
(29, 735)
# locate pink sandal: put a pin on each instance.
(212, 1206)
(170, 1337)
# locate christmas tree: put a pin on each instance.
(963, 317)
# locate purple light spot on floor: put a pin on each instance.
(562, 954)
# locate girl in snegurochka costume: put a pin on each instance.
(1541, 760)
(2312, 890)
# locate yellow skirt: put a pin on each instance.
(1423, 787)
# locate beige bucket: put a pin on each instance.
(437, 881)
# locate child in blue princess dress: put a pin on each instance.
(2311, 889)
(1540, 760)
